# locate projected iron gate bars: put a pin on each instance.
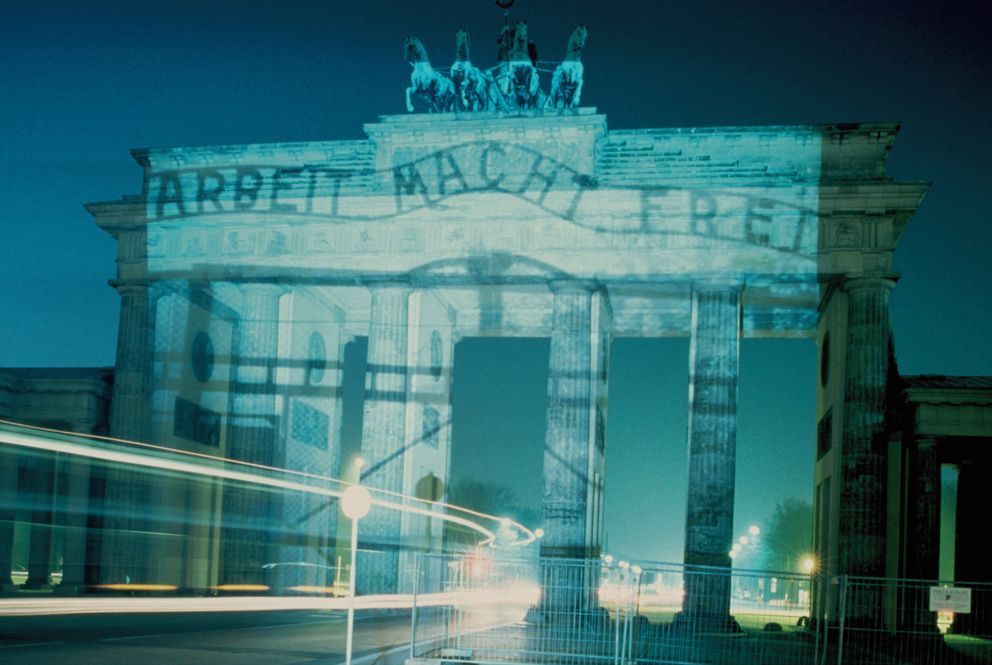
(505, 224)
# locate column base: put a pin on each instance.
(725, 624)
(69, 589)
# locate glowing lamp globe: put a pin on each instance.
(356, 502)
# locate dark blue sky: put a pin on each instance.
(81, 83)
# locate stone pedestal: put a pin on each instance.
(384, 434)
(714, 354)
(249, 512)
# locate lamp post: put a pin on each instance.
(355, 502)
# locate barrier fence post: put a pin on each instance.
(842, 615)
(637, 613)
(816, 587)
(616, 618)
(413, 608)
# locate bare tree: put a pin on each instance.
(788, 535)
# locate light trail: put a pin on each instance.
(40, 442)
(523, 595)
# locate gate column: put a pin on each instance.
(572, 462)
(714, 355)
(248, 512)
(566, 443)
(924, 510)
(384, 432)
(123, 551)
(862, 503)
(862, 521)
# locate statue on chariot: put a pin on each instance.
(512, 84)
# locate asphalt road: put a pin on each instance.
(210, 638)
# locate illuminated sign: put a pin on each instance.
(950, 599)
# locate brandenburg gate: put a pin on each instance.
(244, 270)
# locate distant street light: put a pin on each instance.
(808, 564)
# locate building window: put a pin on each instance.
(196, 423)
(309, 425)
(202, 357)
(316, 358)
(825, 360)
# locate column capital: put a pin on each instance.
(573, 285)
(154, 289)
(722, 285)
(926, 442)
(877, 283)
(261, 287)
(130, 288)
(389, 284)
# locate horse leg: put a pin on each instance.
(409, 104)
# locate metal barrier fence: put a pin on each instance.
(601, 611)
(767, 621)
(535, 611)
(885, 621)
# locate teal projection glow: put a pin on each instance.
(556, 189)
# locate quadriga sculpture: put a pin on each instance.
(521, 86)
(566, 82)
(471, 83)
(425, 80)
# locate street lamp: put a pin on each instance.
(355, 502)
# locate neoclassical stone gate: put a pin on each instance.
(244, 270)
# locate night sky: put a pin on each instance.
(82, 83)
